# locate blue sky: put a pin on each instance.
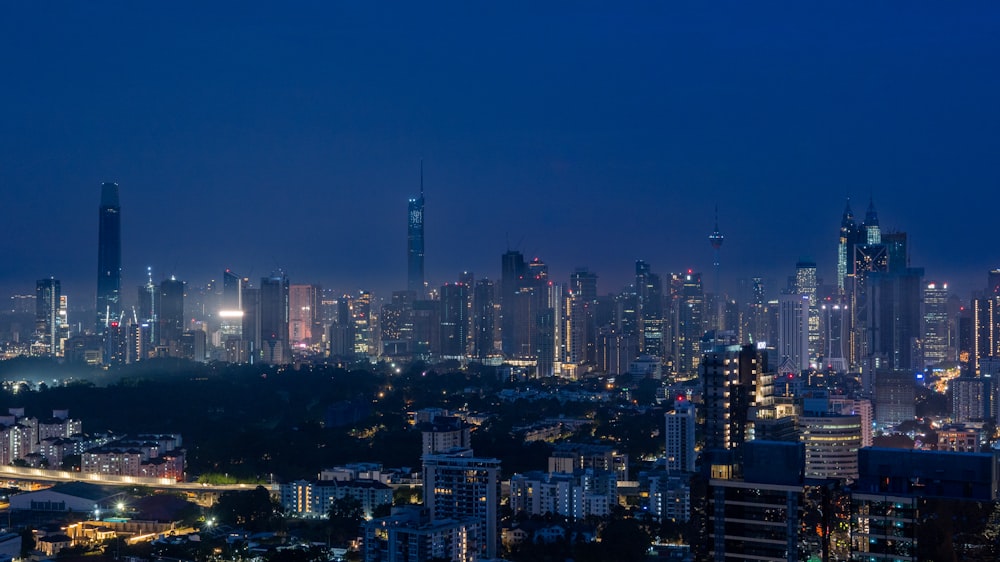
(256, 136)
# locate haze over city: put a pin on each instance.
(263, 138)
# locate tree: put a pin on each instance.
(252, 510)
(345, 519)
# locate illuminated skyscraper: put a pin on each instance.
(849, 236)
(415, 241)
(936, 332)
(49, 317)
(793, 334)
(805, 284)
(109, 260)
(649, 290)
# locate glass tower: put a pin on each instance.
(109, 258)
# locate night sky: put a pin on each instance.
(261, 136)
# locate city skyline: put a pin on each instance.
(599, 138)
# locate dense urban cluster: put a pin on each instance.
(848, 420)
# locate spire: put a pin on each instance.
(421, 178)
(716, 237)
(871, 217)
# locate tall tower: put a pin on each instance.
(715, 239)
(845, 248)
(873, 234)
(48, 294)
(415, 241)
(109, 258)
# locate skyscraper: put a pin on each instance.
(649, 290)
(302, 309)
(484, 319)
(415, 241)
(109, 258)
(171, 312)
(454, 319)
(793, 335)
(936, 331)
(845, 249)
(805, 284)
(512, 271)
(273, 318)
(49, 317)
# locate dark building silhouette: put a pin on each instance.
(273, 314)
(171, 312)
(109, 262)
(512, 271)
(484, 319)
(454, 319)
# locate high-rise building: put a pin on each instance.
(109, 261)
(936, 326)
(415, 241)
(109, 256)
(303, 304)
(806, 284)
(51, 329)
(849, 237)
(894, 331)
(688, 318)
(985, 312)
(649, 292)
(793, 335)
(735, 383)
(458, 485)
(895, 398)
(170, 304)
(454, 319)
(831, 444)
(512, 272)
(484, 319)
(680, 425)
(273, 318)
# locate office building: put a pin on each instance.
(937, 332)
(454, 320)
(170, 304)
(831, 444)
(109, 257)
(649, 313)
(484, 319)
(895, 395)
(793, 335)
(304, 328)
(806, 284)
(273, 313)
